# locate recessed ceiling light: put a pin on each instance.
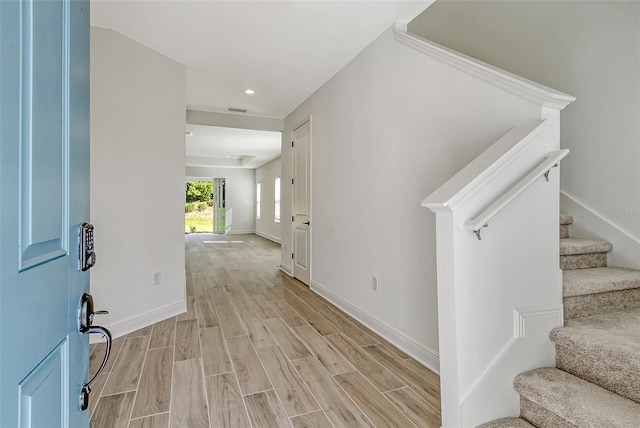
(188, 134)
(249, 92)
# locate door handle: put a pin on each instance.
(85, 326)
(86, 388)
(308, 223)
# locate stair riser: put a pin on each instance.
(592, 304)
(564, 231)
(613, 372)
(507, 423)
(541, 417)
(565, 219)
(583, 261)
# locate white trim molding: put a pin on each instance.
(516, 85)
(426, 356)
(241, 232)
(532, 321)
(145, 320)
(269, 237)
(286, 269)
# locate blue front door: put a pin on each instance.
(44, 197)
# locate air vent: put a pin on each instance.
(238, 110)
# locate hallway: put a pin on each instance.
(257, 349)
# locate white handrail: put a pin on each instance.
(551, 160)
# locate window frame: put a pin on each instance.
(276, 200)
(258, 197)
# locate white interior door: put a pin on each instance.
(301, 203)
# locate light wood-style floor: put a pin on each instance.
(258, 349)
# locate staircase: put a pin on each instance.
(596, 381)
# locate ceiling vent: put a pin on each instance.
(238, 110)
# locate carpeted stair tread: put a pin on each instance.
(572, 246)
(507, 423)
(580, 282)
(565, 219)
(619, 330)
(577, 401)
(604, 349)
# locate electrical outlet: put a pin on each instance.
(374, 283)
(157, 278)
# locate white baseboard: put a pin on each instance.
(269, 237)
(587, 223)
(286, 269)
(132, 324)
(419, 352)
(241, 232)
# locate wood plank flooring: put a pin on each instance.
(257, 348)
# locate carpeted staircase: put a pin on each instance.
(596, 381)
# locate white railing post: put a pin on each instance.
(498, 298)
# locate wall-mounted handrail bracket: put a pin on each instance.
(546, 174)
(551, 160)
(477, 231)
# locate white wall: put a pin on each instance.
(137, 181)
(590, 50)
(387, 130)
(266, 174)
(239, 193)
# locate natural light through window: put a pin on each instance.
(276, 213)
(258, 201)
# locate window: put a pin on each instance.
(258, 201)
(276, 212)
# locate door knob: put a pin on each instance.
(308, 223)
